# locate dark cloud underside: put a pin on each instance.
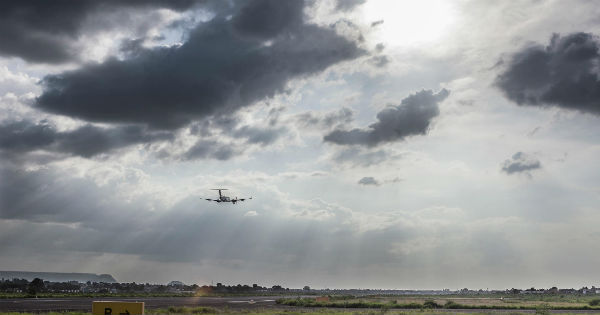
(23, 136)
(412, 117)
(46, 31)
(218, 70)
(564, 74)
(210, 149)
(267, 18)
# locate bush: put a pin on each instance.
(431, 304)
(203, 310)
(595, 302)
(543, 309)
(452, 305)
(412, 305)
(177, 309)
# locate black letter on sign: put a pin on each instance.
(107, 311)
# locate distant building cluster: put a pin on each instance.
(38, 285)
(72, 284)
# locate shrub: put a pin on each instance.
(452, 305)
(430, 304)
(203, 310)
(412, 305)
(177, 309)
(543, 309)
(595, 302)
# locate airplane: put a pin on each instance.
(223, 198)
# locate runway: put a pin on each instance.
(85, 304)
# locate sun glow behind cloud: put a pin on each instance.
(409, 23)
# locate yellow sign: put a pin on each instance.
(117, 308)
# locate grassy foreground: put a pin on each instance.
(227, 311)
(445, 303)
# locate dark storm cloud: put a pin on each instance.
(366, 181)
(520, 163)
(564, 74)
(24, 136)
(412, 117)
(218, 70)
(267, 18)
(45, 31)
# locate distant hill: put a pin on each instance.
(57, 276)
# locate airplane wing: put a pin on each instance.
(242, 199)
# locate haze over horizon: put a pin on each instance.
(386, 144)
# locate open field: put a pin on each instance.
(417, 305)
(292, 311)
(512, 302)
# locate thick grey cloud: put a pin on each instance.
(267, 18)
(211, 149)
(520, 163)
(18, 137)
(347, 5)
(325, 120)
(366, 181)
(258, 135)
(45, 31)
(564, 73)
(412, 117)
(219, 69)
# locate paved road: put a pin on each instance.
(85, 304)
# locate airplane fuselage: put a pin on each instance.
(223, 198)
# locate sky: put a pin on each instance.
(386, 144)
